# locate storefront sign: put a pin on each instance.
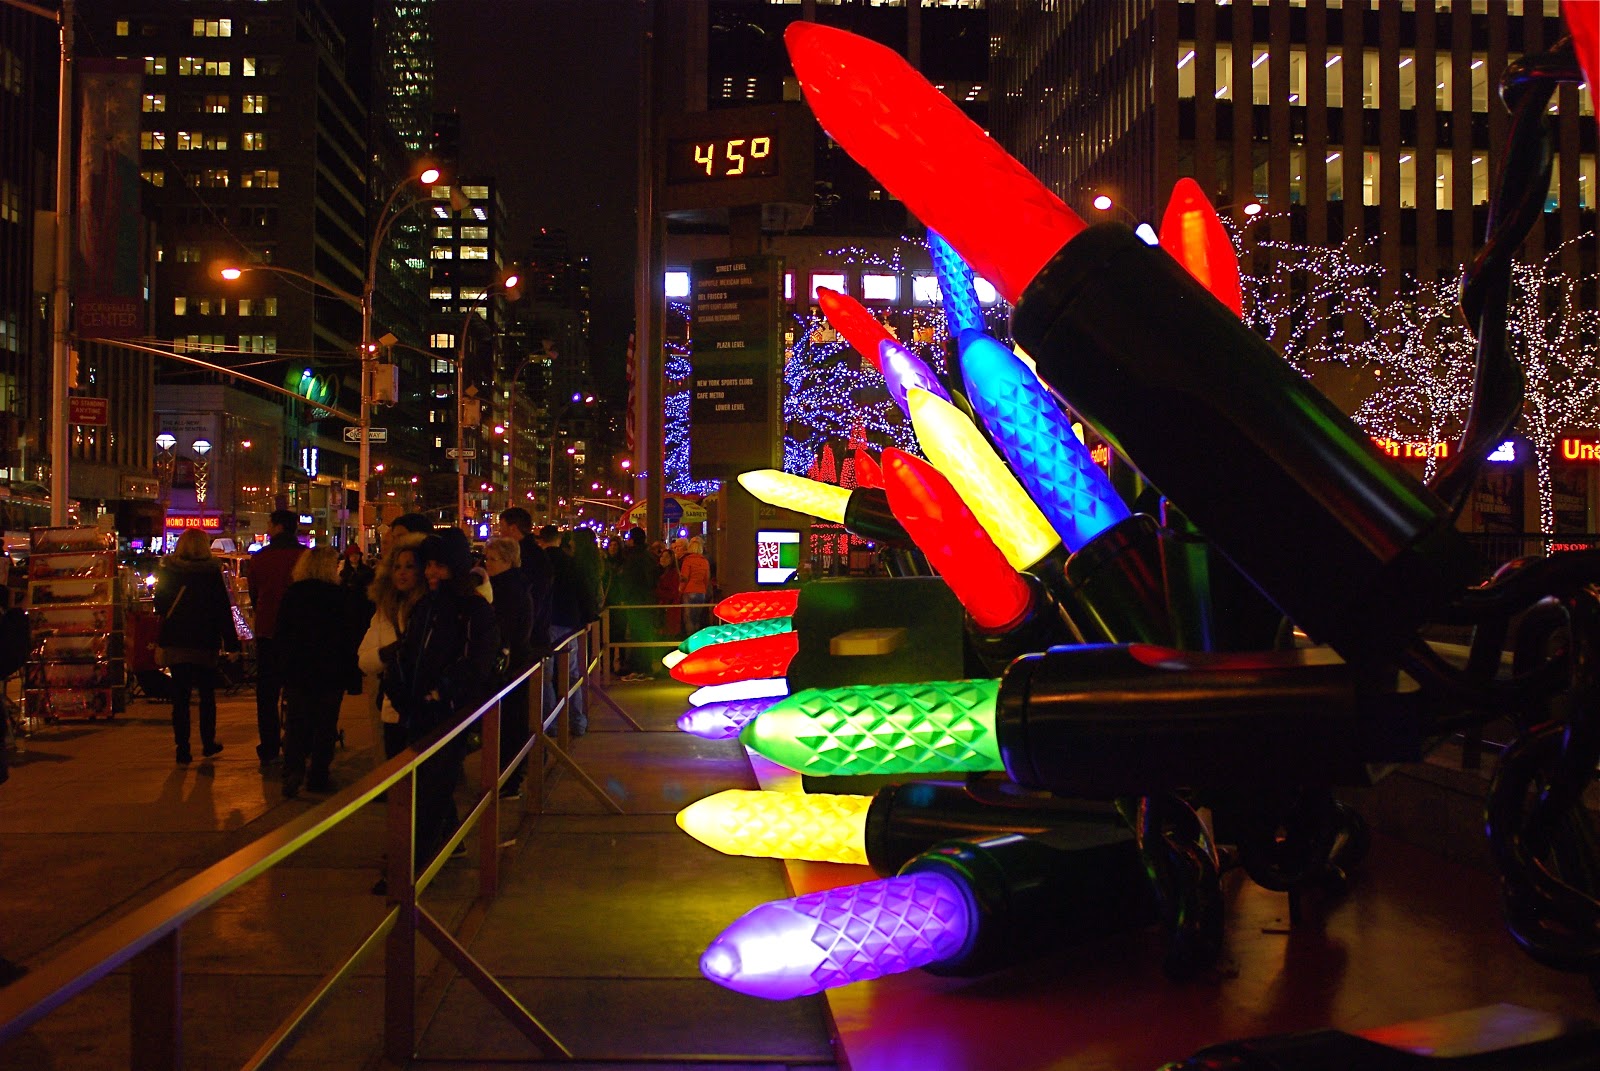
(1586, 451)
(1412, 451)
(734, 406)
(211, 522)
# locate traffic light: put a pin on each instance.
(72, 369)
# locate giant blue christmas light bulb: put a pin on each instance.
(956, 285)
(1036, 438)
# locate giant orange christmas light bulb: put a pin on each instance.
(955, 543)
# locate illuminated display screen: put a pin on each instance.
(713, 159)
(777, 556)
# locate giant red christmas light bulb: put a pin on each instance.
(1196, 238)
(901, 129)
(739, 660)
(1583, 23)
(955, 543)
(868, 474)
(852, 320)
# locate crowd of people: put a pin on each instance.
(425, 632)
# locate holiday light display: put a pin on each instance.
(955, 543)
(932, 727)
(781, 825)
(1037, 439)
(787, 491)
(864, 331)
(734, 691)
(741, 630)
(963, 908)
(672, 658)
(792, 948)
(1001, 219)
(1388, 554)
(956, 287)
(722, 720)
(739, 660)
(1196, 238)
(958, 450)
(904, 371)
(868, 472)
(757, 605)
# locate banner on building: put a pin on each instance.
(106, 272)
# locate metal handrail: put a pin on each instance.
(148, 937)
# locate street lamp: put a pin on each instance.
(165, 460)
(578, 398)
(507, 285)
(427, 175)
(201, 448)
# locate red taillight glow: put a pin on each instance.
(739, 660)
(956, 544)
(1195, 237)
(914, 140)
(852, 320)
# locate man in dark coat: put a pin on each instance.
(513, 611)
(270, 569)
(516, 523)
(636, 585)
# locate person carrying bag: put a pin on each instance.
(196, 623)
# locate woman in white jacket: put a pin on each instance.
(395, 589)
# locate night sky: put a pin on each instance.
(548, 96)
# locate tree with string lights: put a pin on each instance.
(1555, 337)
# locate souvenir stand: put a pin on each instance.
(74, 613)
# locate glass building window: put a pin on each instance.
(214, 177)
(1335, 168)
(474, 252)
(153, 102)
(442, 340)
(152, 139)
(1333, 68)
(1297, 76)
(444, 232)
(476, 193)
(1297, 176)
(879, 287)
(1444, 81)
(1480, 180)
(155, 176)
(1407, 165)
(1408, 80)
(442, 252)
(442, 293)
(253, 140)
(1371, 178)
(1586, 179)
(1260, 77)
(1444, 196)
(1224, 72)
(831, 280)
(479, 234)
(180, 306)
(253, 103)
(1186, 67)
(265, 179)
(213, 27)
(215, 103)
(155, 65)
(258, 343)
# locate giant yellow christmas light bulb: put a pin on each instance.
(958, 450)
(788, 491)
(781, 825)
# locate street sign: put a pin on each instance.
(90, 412)
(374, 435)
(468, 453)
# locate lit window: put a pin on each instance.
(258, 343)
(924, 288)
(476, 193)
(442, 340)
(443, 366)
(442, 293)
(180, 306)
(215, 177)
(183, 141)
(253, 104)
(474, 252)
(269, 306)
(253, 140)
(248, 66)
(477, 234)
(155, 65)
(879, 287)
(152, 139)
(155, 176)
(831, 280)
(213, 27)
(677, 284)
(122, 27)
(985, 290)
(154, 102)
(442, 252)
(246, 306)
(444, 232)
(266, 179)
(215, 103)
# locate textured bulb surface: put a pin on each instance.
(956, 286)
(723, 720)
(926, 728)
(774, 687)
(792, 948)
(853, 320)
(1037, 439)
(1196, 238)
(788, 491)
(822, 827)
(868, 473)
(739, 660)
(994, 496)
(919, 144)
(756, 605)
(955, 543)
(904, 371)
(739, 630)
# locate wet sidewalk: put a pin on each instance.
(597, 928)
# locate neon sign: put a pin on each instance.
(1412, 451)
(1586, 450)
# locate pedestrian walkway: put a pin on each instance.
(598, 926)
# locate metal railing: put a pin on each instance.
(607, 629)
(149, 940)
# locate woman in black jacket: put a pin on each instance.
(320, 625)
(442, 668)
(196, 623)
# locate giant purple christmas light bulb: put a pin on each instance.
(792, 948)
(903, 370)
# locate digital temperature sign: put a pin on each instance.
(722, 159)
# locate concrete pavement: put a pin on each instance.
(598, 927)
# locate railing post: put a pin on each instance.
(605, 646)
(489, 781)
(155, 988)
(400, 957)
(563, 666)
(534, 796)
(590, 631)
